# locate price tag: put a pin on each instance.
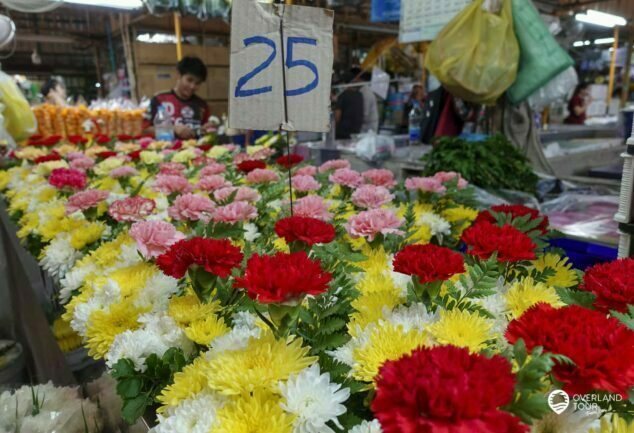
(271, 85)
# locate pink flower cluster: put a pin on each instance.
(212, 182)
(153, 238)
(238, 211)
(175, 168)
(83, 200)
(191, 207)
(334, 164)
(346, 177)
(448, 176)
(67, 178)
(82, 163)
(371, 197)
(312, 206)
(306, 183)
(170, 183)
(243, 193)
(425, 184)
(379, 177)
(262, 175)
(263, 154)
(131, 209)
(123, 171)
(309, 170)
(211, 169)
(371, 223)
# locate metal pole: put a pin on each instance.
(179, 36)
(612, 68)
(625, 92)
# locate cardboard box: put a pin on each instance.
(218, 108)
(163, 54)
(218, 83)
(152, 79)
(215, 56)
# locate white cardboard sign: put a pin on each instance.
(422, 20)
(256, 85)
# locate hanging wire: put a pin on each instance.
(281, 130)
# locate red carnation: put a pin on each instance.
(218, 257)
(515, 211)
(289, 161)
(600, 346)
(46, 158)
(283, 277)
(135, 155)
(77, 139)
(67, 178)
(125, 137)
(106, 154)
(304, 229)
(428, 262)
(102, 139)
(511, 245)
(205, 147)
(249, 165)
(612, 283)
(38, 140)
(445, 389)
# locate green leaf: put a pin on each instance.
(331, 326)
(221, 230)
(626, 318)
(134, 409)
(123, 368)
(519, 350)
(575, 297)
(129, 388)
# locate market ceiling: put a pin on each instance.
(624, 8)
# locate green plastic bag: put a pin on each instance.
(541, 57)
(476, 55)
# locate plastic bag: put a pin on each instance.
(476, 55)
(541, 57)
(19, 120)
(559, 88)
(214, 9)
(372, 147)
(191, 7)
(161, 6)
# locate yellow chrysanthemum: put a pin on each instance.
(28, 224)
(187, 383)
(107, 184)
(149, 157)
(87, 234)
(280, 245)
(263, 363)
(525, 293)
(108, 253)
(66, 148)
(107, 165)
(132, 279)
(47, 167)
(251, 150)
(93, 150)
(184, 156)
(387, 342)
(369, 307)
(421, 235)
(83, 297)
(66, 337)
(462, 329)
(613, 424)
(564, 276)
(460, 217)
(53, 227)
(204, 331)
(377, 259)
(187, 309)
(5, 178)
(256, 413)
(357, 244)
(217, 151)
(104, 325)
(46, 194)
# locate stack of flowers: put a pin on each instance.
(224, 299)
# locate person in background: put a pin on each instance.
(189, 112)
(370, 108)
(348, 110)
(578, 105)
(54, 92)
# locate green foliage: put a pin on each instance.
(626, 318)
(492, 164)
(139, 390)
(575, 297)
(222, 230)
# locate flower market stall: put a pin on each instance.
(223, 298)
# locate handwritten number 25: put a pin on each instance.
(290, 63)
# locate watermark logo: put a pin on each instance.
(558, 400)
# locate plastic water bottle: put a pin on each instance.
(163, 125)
(415, 121)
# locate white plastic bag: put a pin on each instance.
(559, 88)
(372, 147)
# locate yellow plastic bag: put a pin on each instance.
(476, 55)
(19, 120)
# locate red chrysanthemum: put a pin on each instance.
(67, 178)
(77, 139)
(511, 245)
(283, 277)
(106, 154)
(289, 161)
(46, 158)
(445, 389)
(515, 211)
(428, 262)
(612, 283)
(304, 229)
(249, 165)
(601, 347)
(218, 257)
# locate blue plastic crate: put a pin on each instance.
(583, 254)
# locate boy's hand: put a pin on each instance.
(184, 132)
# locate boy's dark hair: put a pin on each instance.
(50, 84)
(193, 66)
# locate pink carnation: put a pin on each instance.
(171, 168)
(309, 170)
(262, 175)
(123, 171)
(212, 182)
(191, 207)
(305, 183)
(85, 200)
(83, 163)
(334, 164)
(370, 223)
(425, 184)
(379, 177)
(75, 155)
(263, 154)
(145, 142)
(370, 196)
(235, 212)
(448, 176)
(312, 206)
(70, 178)
(153, 238)
(243, 193)
(346, 177)
(131, 209)
(241, 157)
(213, 168)
(169, 183)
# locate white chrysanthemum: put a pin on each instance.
(59, 256)
(367, 427)
(570, 421)
(157, 291)
(344, 354)
(236, 339)
(251, 232)
(412, 317)
(195, 415)
(73, 280)
(158, 334)
(82, 313)
(314, 400)
(400, 280)
(437, 225)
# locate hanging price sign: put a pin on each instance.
(281, 67)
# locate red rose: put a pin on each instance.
(612, 283)
(445, 389)
(307, 230)
(218, 257)
(484, 239)
(428, 262)
(77, 139)
(288, 161)
(131, 209)
(601, 348)
(106, 154)
(249, 165)
(283, 277)
(46, 158)
(515, 211)
(67, 178)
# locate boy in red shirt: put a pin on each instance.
(189, 112)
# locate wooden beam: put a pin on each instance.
(179, 36)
